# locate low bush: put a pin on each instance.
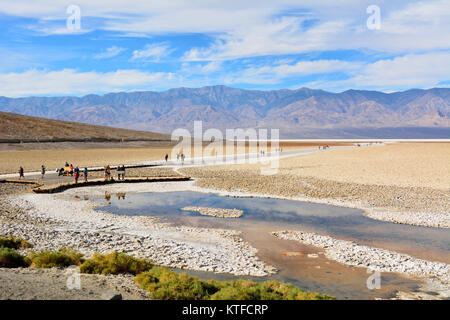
(268, 290)
(14, 243)
(10, 258)
(164, 284)
(115, 263)
(63, 258)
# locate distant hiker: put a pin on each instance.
(21, 175)
(76, 174)
(42, 172)
(182, 158)
(166, 157)
(178, 157)
(71, 170)
(85, 172)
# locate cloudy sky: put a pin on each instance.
(157, 45)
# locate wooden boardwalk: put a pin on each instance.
(55, 188)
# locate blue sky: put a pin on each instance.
(158, 45)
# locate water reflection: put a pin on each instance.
(261, 216)
(120, 195)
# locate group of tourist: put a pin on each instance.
(120, 173)
(180, 156)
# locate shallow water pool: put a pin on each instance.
(261, 216)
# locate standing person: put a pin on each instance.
(123, 172)
(166, 157)
(107, 173)
(119, 172)
(178, 157)
(21, 175)
(76, 174)
(42, 172)
(71, 170)
(85, 172)
(182, 158)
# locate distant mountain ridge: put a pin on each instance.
(301, 113)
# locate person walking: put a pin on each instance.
(21, 175)
(166, 157)
(85, 172)
(76, 174)
(42, 172)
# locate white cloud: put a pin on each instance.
(405, 72)
(152, 52)
(273, 74)
(109, 53)
(201, 69)
(71, 82)
(257, 27)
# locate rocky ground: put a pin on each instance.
(216, 212)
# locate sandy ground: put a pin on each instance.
(51, 284)
(402, 164)
(412, 180)
(53, 155)
(31, 160)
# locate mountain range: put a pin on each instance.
(301, 113)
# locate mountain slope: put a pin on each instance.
(16, 127)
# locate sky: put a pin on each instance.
(79, 47)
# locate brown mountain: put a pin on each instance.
(16, 128)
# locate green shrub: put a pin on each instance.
(63, 258)
(10, 258)
(115, 263)
(164, 284)
(268, 290)
(14, 243)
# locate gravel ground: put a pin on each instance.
(138, 172)
(52, 221)
(216, 212)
